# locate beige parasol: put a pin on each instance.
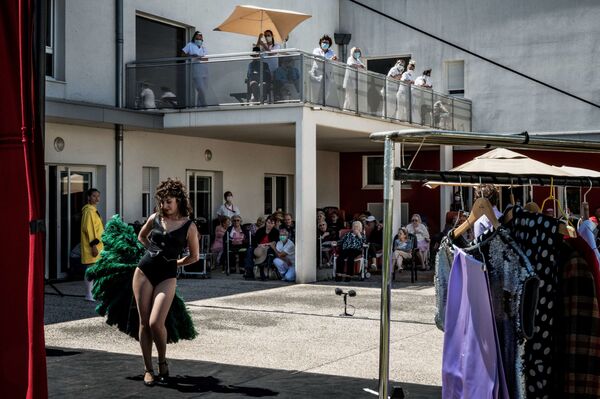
(251, 20)
(502, 160)
(580, 172)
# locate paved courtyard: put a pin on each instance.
(256, 339)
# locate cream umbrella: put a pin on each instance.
(251, 20)
(579, 172)
(501, 160)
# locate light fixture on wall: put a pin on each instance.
(59, 144)
(208, 155)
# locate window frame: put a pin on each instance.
(365, 173)
(454, 91)
(148, 200)
(50, 27)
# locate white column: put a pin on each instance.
(306, 199)
(397, 197)
(446, 163)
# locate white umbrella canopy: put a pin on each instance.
(252, 20)
(501, 160)
(579, 172)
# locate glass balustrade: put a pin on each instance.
(287, 76)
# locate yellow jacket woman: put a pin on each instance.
(91, 229)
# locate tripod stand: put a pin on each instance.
(351, 293)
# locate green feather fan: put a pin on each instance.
(113, 275)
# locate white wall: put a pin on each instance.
(243, 167)
(84, 146)
(552, 40)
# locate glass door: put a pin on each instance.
(67, 187)
(200, 185)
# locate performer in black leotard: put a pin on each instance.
(165, 235)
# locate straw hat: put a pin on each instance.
(260, 255)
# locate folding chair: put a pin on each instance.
(199, 269)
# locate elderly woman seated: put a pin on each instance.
(325, 236)
(235, 239)
(352, 246)
(419, 230)
(402, 250)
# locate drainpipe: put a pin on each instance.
(119, 104)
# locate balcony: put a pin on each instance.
(284, 77)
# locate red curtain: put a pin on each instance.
(22, 200)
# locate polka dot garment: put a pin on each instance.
(539, 239)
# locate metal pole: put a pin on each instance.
(385, 99)
(303, 80)
(386, 284)
(409, 110)
(323, 82)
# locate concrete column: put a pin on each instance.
(306, 199)
(396, 193)
(446, 163)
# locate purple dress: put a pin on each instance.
(471, 361)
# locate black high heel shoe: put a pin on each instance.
(163, 375)
(149, 383)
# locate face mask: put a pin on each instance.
(229, 199)
(324, 45)
(269, 38)
(357, 55)
(198, 42)
(283, 238)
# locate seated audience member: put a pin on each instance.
(168, 98)
(253, 78)
(260, 222)
(285, 256)
(419, 230)
(320, 217)
(375, 243)
(217, 246)
(147, 96)
(277, 216)
(289, 225)
(287, 80)
(335, 223)
(236, 239)
(352, 246)
(402, 250)
(325, 236)
(370, 222)
(264, 242)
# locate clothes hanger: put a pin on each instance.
(564, 229)
(481, 207)
(462, 202)
(511, 196)
(585, 206)
(531, 206)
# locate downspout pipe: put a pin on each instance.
(119, 104)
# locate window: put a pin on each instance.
(372, 171)
(149, 183)
(200, 186)
(157, 39)
(456, 78)
(276, 193)
(383, 65)
(50, 38)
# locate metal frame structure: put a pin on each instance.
(523, 140)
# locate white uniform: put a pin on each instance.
(148, 99)
(286, 269)
(422, 100)
(350, 80)
(272, 61)
(199, 71)
(316, 74)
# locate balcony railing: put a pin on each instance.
(288, 76)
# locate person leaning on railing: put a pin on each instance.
(318, 73)
(350, 77)
(196, 48)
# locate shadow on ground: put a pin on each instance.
(94, 374)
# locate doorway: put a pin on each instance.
(66, 196)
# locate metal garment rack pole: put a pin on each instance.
(522, 140)
(413, 175)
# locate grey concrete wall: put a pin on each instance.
(551, 40)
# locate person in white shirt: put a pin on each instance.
(285, 257)
(351, 77)
(408, 78)
(396, 96)
(195, 48)
(322, 77)
(422, 103)
(228, 209)
(147, 95)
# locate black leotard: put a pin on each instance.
(160, 260)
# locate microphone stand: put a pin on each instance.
(345, 294)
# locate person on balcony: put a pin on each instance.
(423, 101)
(253, 78)
(396, 96)
(287, 80)
(320, 71)
(266, 45)
(351, 78)
(148, 98)
(195, 48)
(408, 78)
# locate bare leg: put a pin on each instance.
(163, 297)
(142, 290)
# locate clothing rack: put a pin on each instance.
(524, 140)
(506, 179)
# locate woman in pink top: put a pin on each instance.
(220, 230)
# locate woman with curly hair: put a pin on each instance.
(165, 235)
